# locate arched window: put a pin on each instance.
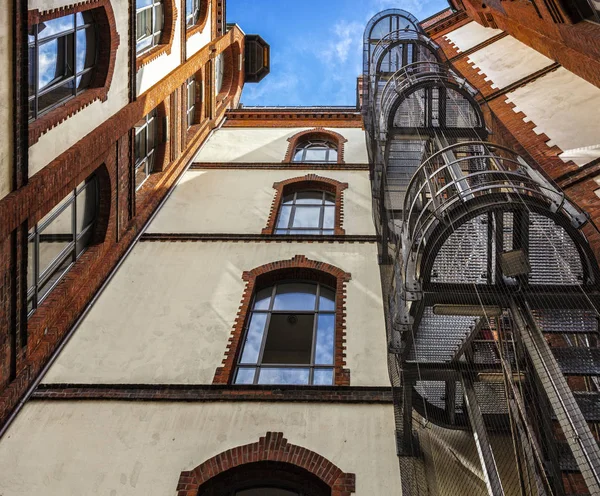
(146, 141)
(192, 12)
(219, 72)
(290, 336)
(307, 212)
(59, 239)
(62, 60)
(149, 24)
(316, 150)
(191, 93)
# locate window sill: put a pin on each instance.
(149, 56)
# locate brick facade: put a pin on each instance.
(272, 447)
(300, 268)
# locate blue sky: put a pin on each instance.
(316, 45)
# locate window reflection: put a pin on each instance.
(290, 336)
(149, 24)
(307, 212)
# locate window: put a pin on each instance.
(192, 12)
(146, 132)
(290, 336)
(150, 23)
(57, 240)
(219, 72)
(191, 101)
(307, 212)
(316, 151)
(62, 60)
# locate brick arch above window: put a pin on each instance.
(297, 268)
(108, 43)
(271, 447)
(308, 182)
(318, 133)
(166, 37)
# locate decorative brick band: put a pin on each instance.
(310, 181)
(318, 133)
(272, 447)
(108, 43)
(166, 37)
(257, 238)
(266, 275)
(278, 166)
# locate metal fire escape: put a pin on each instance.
(491, 286)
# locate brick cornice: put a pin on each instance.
(257, 238)
(272, 447)
(319, 133)
(166, 38)
(310, 181)
(278, 166)
(287, 117)
(108, 42)
(299, 267)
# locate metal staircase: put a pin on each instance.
(492, 288)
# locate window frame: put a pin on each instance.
(191, 106)
(148, 160)
(312, 366)
(321, 230)
(70, 251)
(308, 144)
(193, 16)
(34, 50)
(155, 35)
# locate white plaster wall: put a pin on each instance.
(508, 60)
(168, 313)
(153, 72)
(201, 39)
(470, 35)
(118, 449)
(239, 201)
(66, 134)
(567, 109)
(6, 98)
(270, 145)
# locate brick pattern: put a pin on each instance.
(350, 118)
(211, 393)
(257, 238)
(317, 133)
(276, 166)
(266, 275)
(308, 182)
(108, 43)
(166, 37)
(272, 447)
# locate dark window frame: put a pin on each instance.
(155, 35)
(69, 59)
(319, 144)
(327, 201)
(148, 159)
(80, 240)
(316, 312)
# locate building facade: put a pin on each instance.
(200, 298)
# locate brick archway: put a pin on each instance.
(316, 133)
(266, 275)
(310, 181)
(272, 447)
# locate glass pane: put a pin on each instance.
(332, 155)
(284, 216)
(144, 23)
(298, 155)
(86, 49)
(295, 296)
(329, 199)
(309, 198)
(283, 376)
(55, 61)
(142, 3)
(307, 217)
(55, 26)
(254, 337)
(55, 238)
(31, 264)
(140, 174)
(56, 95)
(83, 242)
(86, 206)
(140, 145)
(289, 339)
(143, 44)
(325, 338)
(288, 199)
(326, 300)
(152, 134)
(54, 277)
(262, 299)
(158, 18)
(315, 155)
(84, 80)
(244, 375)
(323, 377)
(329, 218)
(328, 233)
(31, 75)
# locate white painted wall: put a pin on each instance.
(117, 449)
(508, 60)
(66, 134)
(470, 35)
(239, 201)
(201, 39)
(153, 72)
(567, 109)
(270, 145)
(6, 99)
(168, 313)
